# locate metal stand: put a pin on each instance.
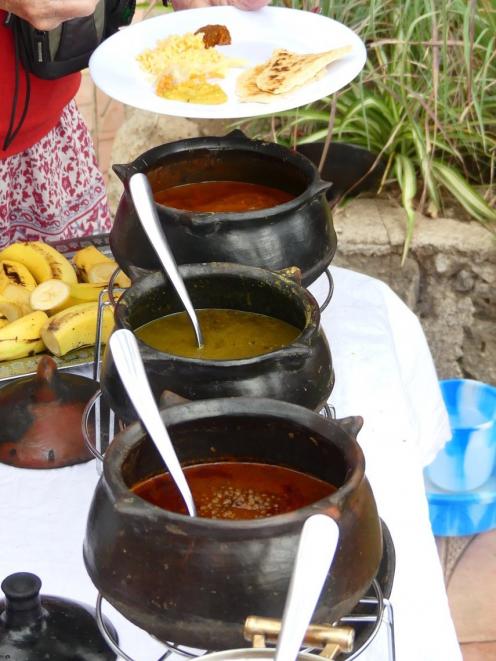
(372, 610)
(330, 292)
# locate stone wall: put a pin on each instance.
(448, 279)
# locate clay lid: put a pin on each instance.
(41, 418)
(34, 627)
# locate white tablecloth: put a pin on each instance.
(384, 372)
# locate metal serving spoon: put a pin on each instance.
(127, 358)
(141, 194)
(316, 549)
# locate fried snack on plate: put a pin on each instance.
(286, 70)
(214, 35)
(284, 73)
(246, 86)
(248, 91)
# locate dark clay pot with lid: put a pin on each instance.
(34, 627)
(195, 580)
(41, 418)
(300, 372)
(298, 233)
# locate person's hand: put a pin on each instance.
(248, 5)
(47, 14)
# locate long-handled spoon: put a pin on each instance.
(127, 358)
(316, 549)
(143, 201)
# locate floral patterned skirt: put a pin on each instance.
(54, 190)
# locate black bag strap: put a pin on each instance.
(11, 21)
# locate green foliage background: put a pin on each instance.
(425, 101)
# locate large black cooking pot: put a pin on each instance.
(300, 372)
(194, 580)
(298, 233)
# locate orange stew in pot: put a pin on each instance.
(222, 196)
(237, 490)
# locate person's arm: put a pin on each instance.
(47, 14)
(240, 4)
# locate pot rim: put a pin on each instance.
(234, 141)
(301, 343)
(123, 443)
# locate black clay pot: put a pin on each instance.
(298, 233)
(352, 169)
(300, 372)
(195, 580)
(41, 418)
(33, 628)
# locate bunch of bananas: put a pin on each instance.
(47, 302)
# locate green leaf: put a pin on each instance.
(407, 180)
(466, 195)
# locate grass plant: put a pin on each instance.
(425, 101)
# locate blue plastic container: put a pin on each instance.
(465, 513)
(467, 461)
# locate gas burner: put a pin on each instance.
(372, 611)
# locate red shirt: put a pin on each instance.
(47, 98)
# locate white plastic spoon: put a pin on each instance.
(129, 364)
(142, 196)
(316, 549)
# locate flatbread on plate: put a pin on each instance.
(246, 86)
(286, 70)
(247, 90)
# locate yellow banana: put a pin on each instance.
(60, 266)
(95, 267)
(32, 259)
(21, 338)
(12, 272)
(19, 295)
(102, 272)
(50, 295)
(4, 321)
(75, 327)
(86, 291)
(87, 257)
(10, 310)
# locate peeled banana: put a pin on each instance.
(19, 295)
(94, 266)
(22, 337)
(35, 261)
(11, 311)
(101, 273)
(75, 327)
(50, 295)
(87, 257)
(86, 291)
(12, 272)
(60, 266)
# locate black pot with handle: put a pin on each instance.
(299, 232)
(300, 372)
(194, 580)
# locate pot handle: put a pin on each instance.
(295, 356)
(238, 133)
(85, 426)
(169, 398)
(124, 171)
(351, 425)
(292, 273)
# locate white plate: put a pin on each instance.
(254, 35)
